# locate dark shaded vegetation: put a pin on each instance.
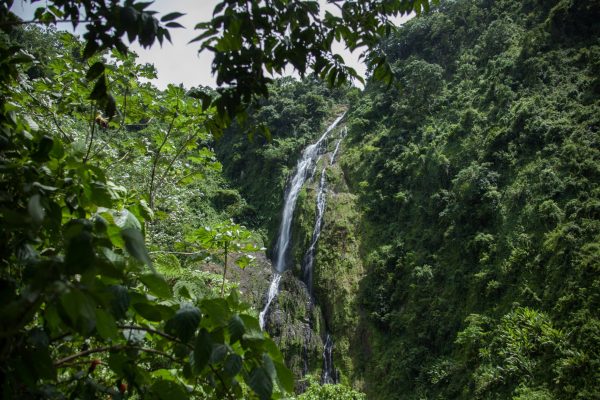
(468, 191)
(479, 182)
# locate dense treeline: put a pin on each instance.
(478, 178)
(468, 190)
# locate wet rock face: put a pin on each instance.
(299, 325)
(293, 321)
(297, 321)
(295, 324)
(253, 281)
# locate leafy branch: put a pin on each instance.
(157, 157)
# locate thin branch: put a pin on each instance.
(156, 158)
(50, 112)
(183, 253)
(115, 133)
(62, 361)
(128, 152)
(37, 21)
(186, 176)
(175, 157)
(224, 269)
(87, 154)
(150, 330)
(229, 394)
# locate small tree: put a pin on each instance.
(227, 237)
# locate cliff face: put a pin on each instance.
(301, 322)
(477, 182)
(459, 252)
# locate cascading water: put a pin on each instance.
(303, 169)
(273, 288)
(337, 145)
(305, 164)
(309, 258)
(329, 374)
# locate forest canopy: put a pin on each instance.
(93, 300)
(458, 256)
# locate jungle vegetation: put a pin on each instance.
(473, 152)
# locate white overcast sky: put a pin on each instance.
(180, 62)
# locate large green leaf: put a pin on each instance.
(80, 309)
(36, 209)
(168, 390)
(135, 245)
(285, 377)
(80, 252)
(218, 354)
(260, 381)
(217, 310)
(157, 285)
(236, 328)
(233, 365)
(202, 351)
(105, 324)
(184, 323)
(151, 312)
(119, 301)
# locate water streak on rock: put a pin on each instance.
(303, 170)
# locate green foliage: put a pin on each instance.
(106, 25)
(295, 113)
(478, 180)
(251, 40)
(86, 312)
(227, 237)
(316, 391)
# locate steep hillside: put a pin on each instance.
(478, 180)
(459, 251)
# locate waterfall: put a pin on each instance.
(329, 374)
(303, 168)
(309, 258)
(273, 289)
(337, 145)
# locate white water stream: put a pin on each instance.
(303, 168)
(309, 257)
(329, 373)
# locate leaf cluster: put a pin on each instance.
(85, 313)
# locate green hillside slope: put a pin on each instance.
(479, 183)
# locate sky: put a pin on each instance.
(180, 62)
